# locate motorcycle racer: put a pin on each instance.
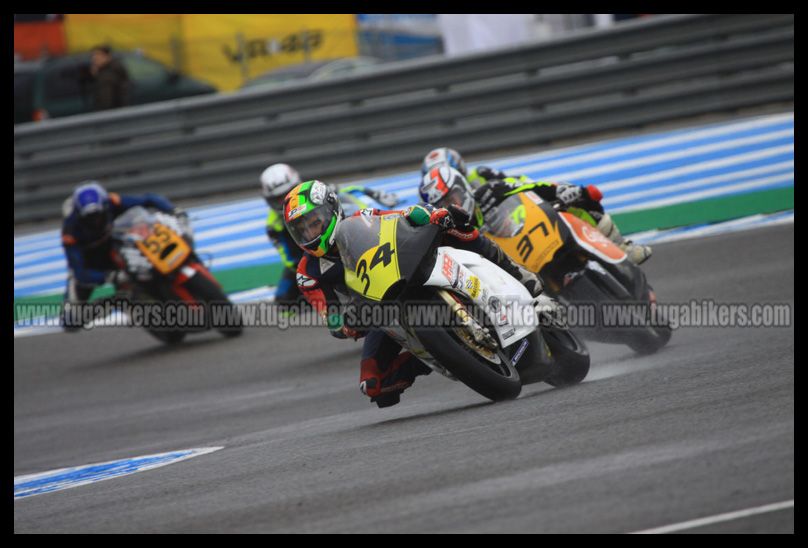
(276, 181)
(491, 187)
(312, 212)
(86, 239)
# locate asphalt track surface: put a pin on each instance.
(704, 427)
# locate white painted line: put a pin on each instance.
(61, 277)
(262, 240)
(258, 211)
(47, 241)
(33, 331)
(55, 251)
(260, 254)
(729, 516)
(58, 264)
(230, 229)
(253, 295)
(229, 206)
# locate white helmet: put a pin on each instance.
(444, 155)
(276, 181)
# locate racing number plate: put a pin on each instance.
(536, 244)
(164, 248)
(377, 269)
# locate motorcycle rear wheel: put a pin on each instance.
(207, 292)
(570, 357)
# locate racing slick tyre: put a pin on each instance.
(490, 374)
(654, 337)
(570, 357)
(227, 322)
(651, 340)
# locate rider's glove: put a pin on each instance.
(490, 174)
(569, 194)
(461, 218)
(338, 329)
(491, 195)
(387, 199)
(594, 193)
(346, 332)
(442, 217)
(417, 215)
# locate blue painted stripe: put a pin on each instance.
(40, 326)
(37, 484)
(47, 251)
(738, 169)
(702, 179)
(771, 186)
(57, 253)
(257, 205)
(553, 173)
(620, 143)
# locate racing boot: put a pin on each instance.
(384, 385)
(637, 253)
(77, 295)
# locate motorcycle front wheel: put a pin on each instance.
(488, 372)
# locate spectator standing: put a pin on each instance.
(110, 79)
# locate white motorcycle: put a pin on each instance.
(457, 312)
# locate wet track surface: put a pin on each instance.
(705, 426)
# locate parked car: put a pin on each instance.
(316, 70)
(57, 87)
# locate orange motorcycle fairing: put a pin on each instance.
(591, 239)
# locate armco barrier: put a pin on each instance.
(636, 73)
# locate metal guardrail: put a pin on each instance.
(637, 73)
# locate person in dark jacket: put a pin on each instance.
(86, 238)
(110, 80)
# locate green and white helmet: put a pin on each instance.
(311, 212)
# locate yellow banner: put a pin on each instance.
(151, 34)
(222, 49)
(230, 49)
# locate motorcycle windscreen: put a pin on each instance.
(527, 229)
(165, 249)
(379, 251)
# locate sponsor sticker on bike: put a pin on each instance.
(518, 355)
(448, 268)
(473, 286)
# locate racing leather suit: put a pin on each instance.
(88, 255)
